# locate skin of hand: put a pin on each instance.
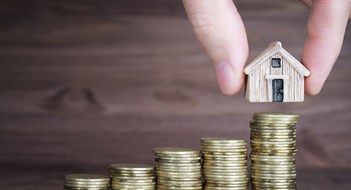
(220, 29)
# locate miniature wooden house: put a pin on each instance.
(275, 76)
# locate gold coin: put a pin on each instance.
(92, 183)
(163, 187)
(272, 158)
(273, 176)
(272, 130)
(224, 151)
(291, 144)
(84, 188)
(273, 172)
(228, 146)
(225, 188)
(135, 180)
(132, 167)
(128, 187)
(274, 121)
(177, 151)
(178, 161)
(271, 149)
(276, 115)
(177, 169)
(272, 138)
(219, 156)
(179, 175)
(179, 158)
(86, 177)
(221, 140)
(219, 185)
(214, 159)
(178, 165)
(130, 174)
(273, 134)
(181, 182)
(134, 177)
(228, 182)
(229, 169)
(224, 163)
(278, 187)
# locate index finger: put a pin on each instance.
(220, 29)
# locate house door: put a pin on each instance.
(278, 90)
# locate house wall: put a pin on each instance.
(257, 84)
(295, 84)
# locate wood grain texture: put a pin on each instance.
(87, 83)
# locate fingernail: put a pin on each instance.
(225, 76)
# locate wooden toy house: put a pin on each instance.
(275, 76)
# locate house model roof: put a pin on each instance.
(273, 48)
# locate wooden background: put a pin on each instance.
(87, 83)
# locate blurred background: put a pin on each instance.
(87, 83)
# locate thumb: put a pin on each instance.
(326, 30)
(219, 28)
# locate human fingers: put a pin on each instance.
(326, 29)
(220, 29)
(309, 4)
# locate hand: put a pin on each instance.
(220, 29)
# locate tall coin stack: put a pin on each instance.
(178, 168)
(132, 176)
(273, 144)
(86, 181)
(225, 163)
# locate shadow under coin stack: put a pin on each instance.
(225, 163)
(178, 168)
(273, 144)
(132, 176)
(87, 182)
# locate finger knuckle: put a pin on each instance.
(203, 26)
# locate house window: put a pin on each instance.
(276, 62)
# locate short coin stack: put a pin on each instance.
(132, 176)
(87, 182)
(225, 163)
(273, 144)
(178, 168)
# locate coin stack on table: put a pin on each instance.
(178, 168)
(132, 176)
(273, 151)
(225, 163)
(87, 182)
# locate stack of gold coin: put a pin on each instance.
(178, 168)
(225, 163)
(273, 145)
(86, 181)
(132, 176)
